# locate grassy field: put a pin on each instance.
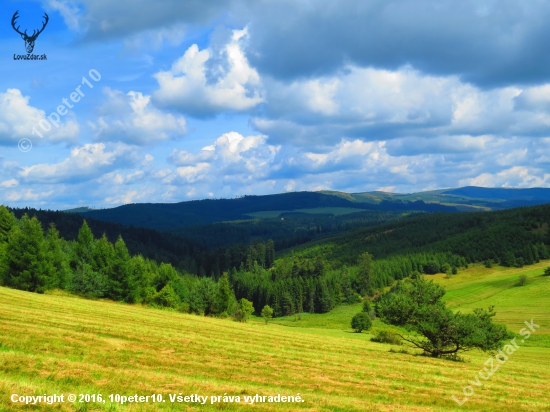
(61, 344)
(336, 211)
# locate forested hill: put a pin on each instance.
(508, 237)
(169, 216)
(151, 244)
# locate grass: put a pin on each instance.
(336, 211)
(63, 344)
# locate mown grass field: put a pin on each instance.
(59, 344)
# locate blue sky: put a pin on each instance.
(226, 98)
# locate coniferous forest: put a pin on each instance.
(167, 270)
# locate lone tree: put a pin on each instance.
(267, 313)
(416, 306)
(245, 309)
(361, 322)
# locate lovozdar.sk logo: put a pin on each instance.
(29, 40)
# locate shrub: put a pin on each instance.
(547, 271)
(366, 305)
(361, 322)
(385, 336)
(522, 280)
(244, 310)
(267, 313)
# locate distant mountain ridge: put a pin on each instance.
(170, 216)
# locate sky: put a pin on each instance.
(163, 101)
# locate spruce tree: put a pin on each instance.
(84, 245)
(224, 295)
(119, 286)
(58, 259)
(28, 267)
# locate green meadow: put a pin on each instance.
(57, 343)
(336, 211)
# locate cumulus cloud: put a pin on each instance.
(516, 176)
(132, 118)
(206, 82)
(18, 118)
(502, 45)
(87, 162)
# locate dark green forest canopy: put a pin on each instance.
(509, 237)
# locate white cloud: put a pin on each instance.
(132, 118)
(206, 82)
(9, 183)
(87, 162)
(18, 118)
(516, 176)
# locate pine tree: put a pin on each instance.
(102, 255)
(119, 286)
(58, 259)
(28, 266)
(7, 221)
(365, 273)
(269, 254)
(84, 245)
(224, 295)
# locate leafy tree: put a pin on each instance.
(416, 305)
(361, 322)
(267, 313)
(244, 310)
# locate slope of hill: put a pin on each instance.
(502, 236)
(168, 216)
(162, 247)
(61, 344)
(469, 198)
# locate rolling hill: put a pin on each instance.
(169, 216)
(173, 216)
(63, 344)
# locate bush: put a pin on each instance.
(547, 271)
(244, 310)
(361, 322)
(385, 336)
(267, 313)
(366, 305)
(522, 280)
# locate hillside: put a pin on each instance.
(469, 198)
(152, 244)
(63, 344)
(474, 236)
(169, 216)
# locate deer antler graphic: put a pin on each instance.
(29, 40)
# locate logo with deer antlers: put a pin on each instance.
(29, 40)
